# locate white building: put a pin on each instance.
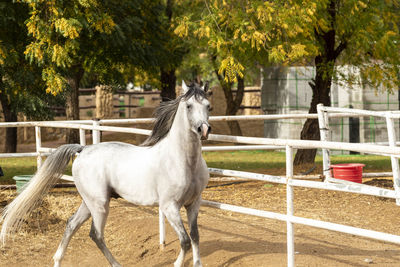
(285, 90)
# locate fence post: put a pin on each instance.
(38, 138)
(395, 162)
(96, 133)
(323, 123)
(289, 206)
(161, 219)
(354, 131)
(82, 137)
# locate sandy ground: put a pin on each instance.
(227, 239)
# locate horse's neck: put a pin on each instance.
(182, 140)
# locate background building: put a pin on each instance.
(286, 90)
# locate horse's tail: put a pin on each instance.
(45, 178)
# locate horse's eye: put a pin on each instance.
(189, 106)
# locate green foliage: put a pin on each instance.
(289, 32)
(21, 82)
(100, 36)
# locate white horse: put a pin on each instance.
(167, 169)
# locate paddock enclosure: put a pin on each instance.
(300, 212)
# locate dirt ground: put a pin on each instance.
(227, 239)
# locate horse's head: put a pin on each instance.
(197, 108)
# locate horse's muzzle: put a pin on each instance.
(204, 129)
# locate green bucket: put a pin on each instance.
(21, 181)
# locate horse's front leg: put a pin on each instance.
(192, 212)
(171, 211)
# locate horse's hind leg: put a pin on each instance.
(99, 215)
(192, 212)
(173, 215)
(73, 224)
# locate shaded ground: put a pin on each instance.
(227, 239)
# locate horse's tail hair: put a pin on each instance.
(44, 179)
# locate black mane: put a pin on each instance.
(165, 114)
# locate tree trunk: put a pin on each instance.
(10, 145)
(232, 103)
(168, 83)
(168, 78)
(321, 84)
(321, 87)
(72, 104)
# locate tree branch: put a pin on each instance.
(340, 48)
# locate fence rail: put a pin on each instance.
(261, 143)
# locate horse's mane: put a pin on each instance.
(165, 114)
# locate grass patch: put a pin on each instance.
(245, 160)
(19, 166)
(264, 161)
(16, 166)
(255, 161)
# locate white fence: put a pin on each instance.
(324, 113)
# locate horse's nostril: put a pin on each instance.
(199, 129)
(209, 129)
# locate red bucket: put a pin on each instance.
(348, 171)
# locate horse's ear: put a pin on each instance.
(184, 87)
(206, 86)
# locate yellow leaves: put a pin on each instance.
(34, 51)
(208, 31)
(31, 25)
(387, 45)
(231, 69)
(88, 3)
(258, 40)
(182, 29)
(297, 51)
(277, 54)
(201, 32)
(245, 37)
(362, 4)
(264, 12)
(219, 43)
(323, 25)
(105, 24)
(60, 56)
(236, 34)
(391, 34)
(69, 28)
(55, 83)
(357, 6)
(3, 54)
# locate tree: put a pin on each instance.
(325, 33)
(173, 49)
(363, 34)
(233, 101)
(71, 38)
(213, 28)
(20, 83)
